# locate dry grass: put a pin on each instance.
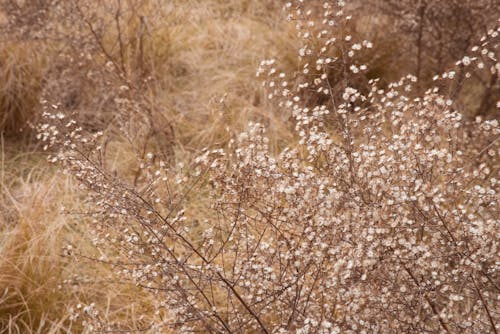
(38, 285)
(204, 58)
(211, 85)
(22, 68)
(32, 228)
(200, 58)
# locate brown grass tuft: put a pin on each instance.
(22, 69)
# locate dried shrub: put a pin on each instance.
(382, 218)
(431, 36)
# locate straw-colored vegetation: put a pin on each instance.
(169, 77)
(197, 54)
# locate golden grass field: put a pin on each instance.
(195, 71)
(204, 52)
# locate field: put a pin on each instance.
(249, 166)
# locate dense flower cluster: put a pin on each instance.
(383, 218)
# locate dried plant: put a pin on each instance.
(382, 218)
(432, 35)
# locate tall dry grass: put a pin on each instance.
(42, 212)
(22, 70)
(203, 57)
(169, 78)
(31, 267)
